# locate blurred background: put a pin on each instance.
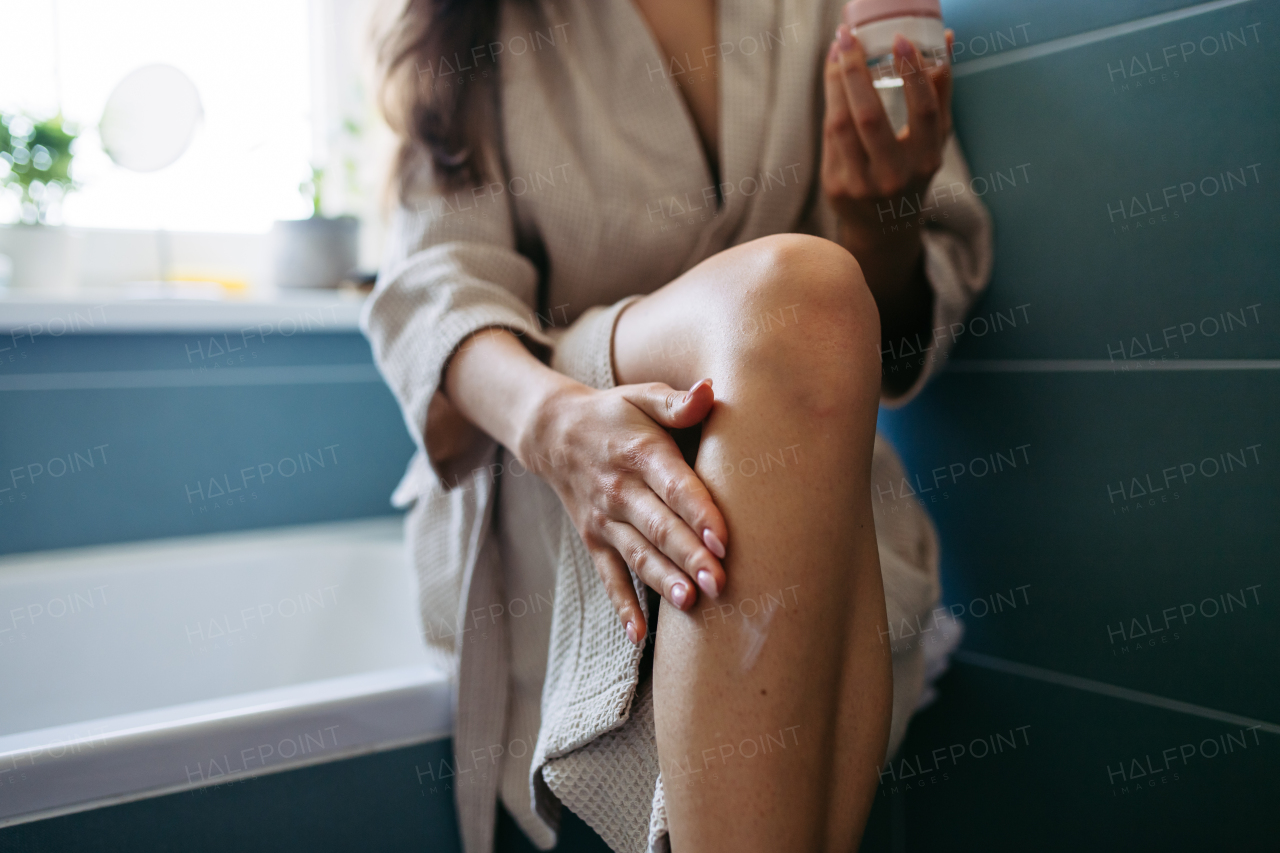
(284, 129)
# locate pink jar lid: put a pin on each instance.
(860, 12)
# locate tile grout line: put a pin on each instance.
(357, 373)
(1099, 365)
(1059, 45)
(1089, 685)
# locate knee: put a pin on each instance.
(817, 284)
(810, 321)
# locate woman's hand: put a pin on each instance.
(872, 175)
(867, 169)
(634, 500)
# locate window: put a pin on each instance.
(252, 64)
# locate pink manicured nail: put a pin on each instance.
(844, 37)
(714, 545)
(901, 46)
(708, 583)
(688, 395)
(834, 52)
(632, 635)
(679, 595)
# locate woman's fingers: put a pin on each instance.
(873, 161)
(669, 476)
(923, 113)
(869, 116)
(649, 564)
(838, 120)
(647, 512)
(677, 485)
(675, 539)
(616, 578)
(942, 84)
(671, 408)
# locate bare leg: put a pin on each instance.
(772, 702)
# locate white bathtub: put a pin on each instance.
(137, 670)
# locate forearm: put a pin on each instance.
(498, 386)
(894, 270)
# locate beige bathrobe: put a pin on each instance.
(601, 192)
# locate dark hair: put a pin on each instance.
(440, 122)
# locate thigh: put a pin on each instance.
(656, 338)
(674, 334)
(670, 336)
(717, 316)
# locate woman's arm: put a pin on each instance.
(867, 170)
(494, 383)
(894, 270)
(607, 454)
(453, 331)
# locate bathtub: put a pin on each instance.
(131, 671)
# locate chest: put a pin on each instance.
(687, 38)
(610, 188)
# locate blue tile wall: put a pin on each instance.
(376, 802)
(193, 434)
(985, 29)
(1118, 583)
(1067, 162)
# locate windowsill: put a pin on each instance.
(121, 310)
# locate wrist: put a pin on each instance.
(862, 238)
(540, 425)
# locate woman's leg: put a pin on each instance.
(773, 701)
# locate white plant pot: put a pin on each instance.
(44, 257)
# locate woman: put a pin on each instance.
(646, 258)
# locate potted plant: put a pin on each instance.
(35, 177)
(318, 251)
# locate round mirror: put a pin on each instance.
(150, 118)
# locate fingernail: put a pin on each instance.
(844, 37)
(714, 545)
(708, 583)
(632, 635)
(688, 395)
(901, 46)
(834, 52)
(679, 595)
